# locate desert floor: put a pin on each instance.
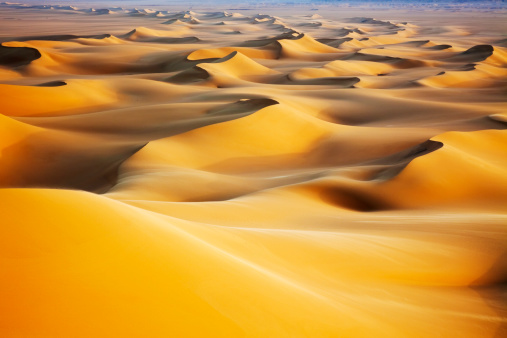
(331, 173)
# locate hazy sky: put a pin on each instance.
(252, 4)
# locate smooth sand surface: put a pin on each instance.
(220, 174)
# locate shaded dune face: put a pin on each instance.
(17, 56)
(295, 175)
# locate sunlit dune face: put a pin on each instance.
(168, 173)
(49, 100)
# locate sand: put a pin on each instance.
(203, 173)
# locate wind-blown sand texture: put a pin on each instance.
(216, 174)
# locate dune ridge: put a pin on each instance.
(221, 173)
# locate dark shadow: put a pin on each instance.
(440, 47)
(399, 161)
(18, 56)
(264, 42)
(62, 37)
(342, 82)
(189, 76)
(492, 287)
(351, 199)
(333, 42)
(52, 84)
(39, 161)
(242, 107)
(475, 54)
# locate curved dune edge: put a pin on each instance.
(220, 174)
(474, 153)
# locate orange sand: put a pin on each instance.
(215, 174)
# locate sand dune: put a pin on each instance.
(151, 35)
(304, 46)
(217, 53)
(222, 173)
(237, 65)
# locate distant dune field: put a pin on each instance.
(213, 173)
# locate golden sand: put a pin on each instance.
(215, 174)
